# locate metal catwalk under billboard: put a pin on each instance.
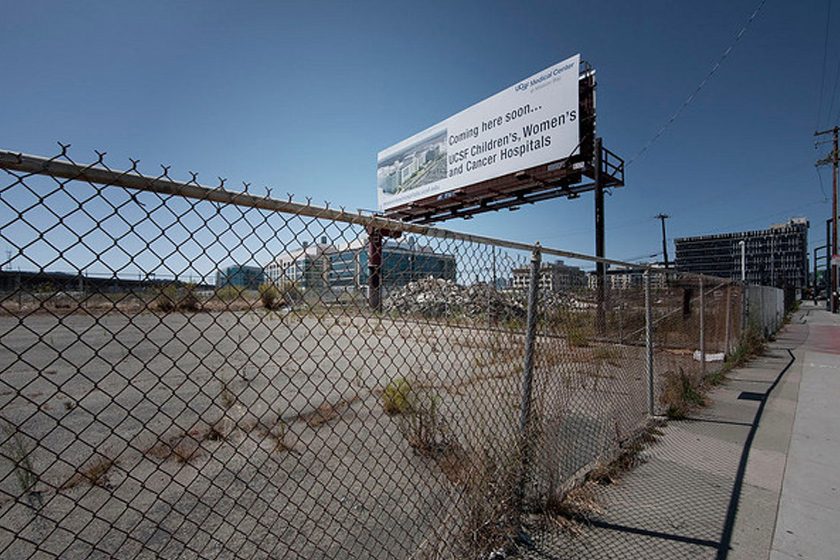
(531, 123)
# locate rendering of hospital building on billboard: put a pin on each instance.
(531, 123)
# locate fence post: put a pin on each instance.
(702, 330)
(727, 344)
(528, 376)
(745, 308)
(762, 311)
(621, 317)
(649, 342)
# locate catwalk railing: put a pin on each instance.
(189, 371)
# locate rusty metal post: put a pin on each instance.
(528, 375)
(375, 269)
(600, 245)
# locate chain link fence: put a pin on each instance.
(196, 372)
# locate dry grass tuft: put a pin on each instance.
(183, 448)
(576, 510)
(94, 473)
(326, 412)
(681, 394)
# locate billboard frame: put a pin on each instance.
(567, 177)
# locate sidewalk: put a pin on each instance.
(809, 509)
(753, 476)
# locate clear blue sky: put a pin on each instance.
(301, 96)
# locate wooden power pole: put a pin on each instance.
(832, 250)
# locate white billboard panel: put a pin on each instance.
(531, 123)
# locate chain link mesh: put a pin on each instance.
(182, 378)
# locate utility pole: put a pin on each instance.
(664, 217)
(832, 158)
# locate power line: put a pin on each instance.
(831, 118)
(701, 86)
(825, 59)
(822, 188)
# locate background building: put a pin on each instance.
(247, 277)
(625, 278)
(308, 267)
(345, 267)
(555, 277)
(774, 257)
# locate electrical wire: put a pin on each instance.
(701, 86)
(822, 188)
(831, 117)
(825, 59)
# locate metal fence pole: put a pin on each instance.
(762, 311)
(702, 329)
(528, 375)
(621, 317)
(728, 303)
(649, 343)
(745, 307)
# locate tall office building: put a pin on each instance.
(773, 257)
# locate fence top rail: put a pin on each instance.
(99, 173)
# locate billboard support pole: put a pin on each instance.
(601, 271)
(375, 269)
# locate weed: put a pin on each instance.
(226, 395)
(395, 397)
(182, 448)
(17, 452)
(270, 296)
(419, 418)
(578, 505)
(751, 344)
(681, 394)
(171, 299)
(578, 332)
(326, 412)
(187, 449)
(229, 293)
(323, 414)
(424, 427)
(490, 491)
(94, 474)
(716, 378)
(278, 435)
(606, 355)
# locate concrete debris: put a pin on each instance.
(436, 297)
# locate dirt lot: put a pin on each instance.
(258, 434)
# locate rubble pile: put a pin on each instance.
(436, 297)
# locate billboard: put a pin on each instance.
(531, 123)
